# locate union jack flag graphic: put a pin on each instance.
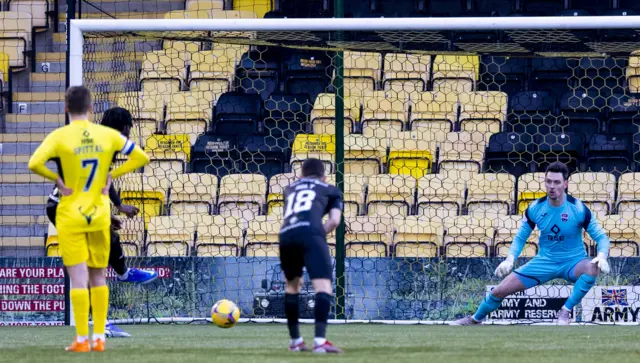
(613, 297)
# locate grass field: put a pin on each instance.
(362, 343)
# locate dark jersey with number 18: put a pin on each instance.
(306, 202)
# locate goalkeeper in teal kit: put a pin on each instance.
(560, 219)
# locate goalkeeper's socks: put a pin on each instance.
(80, 302)
(291, 311)
(580, 289)
(99, 307)
(489, 304)
(321, 312)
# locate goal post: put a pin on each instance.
(439, 148)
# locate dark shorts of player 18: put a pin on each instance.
(301, 248)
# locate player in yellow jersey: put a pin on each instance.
(83, 152)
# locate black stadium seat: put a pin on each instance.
(564, 147)
(265, 155)
(531, 112)
(237, 114)
(506, 74)
(582, 111)
(258, 72)
(286, 114)
(553, 75)
(624, 115)
(307, 73)
(509, 152)
(215, 154)
(609, 153)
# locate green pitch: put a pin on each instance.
(362, 343)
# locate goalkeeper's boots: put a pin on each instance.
(327, 347)
(467, 320)
(138, 276)
(564, 317)
(78, 347)
(112, 331)
(300, 347)
(98, 345)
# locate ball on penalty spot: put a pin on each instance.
(225, 313)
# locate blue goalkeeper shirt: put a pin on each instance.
(560, 229)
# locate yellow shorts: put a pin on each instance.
(90, 247)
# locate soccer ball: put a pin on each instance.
(225, 314)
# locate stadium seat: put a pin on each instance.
(306, 9)
(406, 73)
(531, 112)
(147, 112)
(170, 236)
(409, 155)
(506, 228)
(193, 193)
(307, 72)
(189, 113)
(286, 114)
(383, 114)
(237, 114)
(354, 193)
(169, 154)
(199, 5)
(17, 30)
(390, 196)
(275, 198)
(362, 71)
(262, 237)
(530, 188)
(509, 152)
(215, 154)
(628, 202)
(218, 236)
(440, 196)
(266, 155)
(564, 147)
(605, 74)
(609, 153)
(483, 111)
(455, 73)
(146, 192)
(37, 8)
(490, 195)
(51, 244)
(163, 72)
(623, 234)
(132, 236)
(417, 237)
(552, 75)
(623, 116)
(214, 70)
(260, 7)
(596, 190)
(436, 111)
(633, 73)
(363, 155)
(242, 195)
(582, 110)
(258, 72)
(368, 237)
(467, 236)
(321, 147)
(506, 74)
(462, 150)
(323, 115)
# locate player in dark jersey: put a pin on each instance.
(303, 243)
(119, 119)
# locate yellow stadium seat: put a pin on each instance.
(147, 192)
(361, 72)
(406, 72)
(233, 14)
(306, 146)
(4, 67)
(506, 228)
(624, 234)
(218, 236)
(168, 153)
(163, 72)
(596, 190)
(132, 235)
(275, 198)
(51, 244)
(323, 115)
(390, 196)
(189, 113)
(440, 197)
(170, 236)
(353, 198)
(242, 195)
(462, 150)
(409, 155)
(204, 5)
(193, 193)
(490, 194)
(259, 7)
(628, 204)
(417, 237)
(530, 187)
(386, 115)
(213, 70)
(15, 36)
(455, 73)
(37, 8)
(363, 155)
(483, 111)
(633, 76)
(147, 112)
(468, 236)
(368, 237)
(434, 111)
(262, 239)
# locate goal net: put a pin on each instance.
(437, 130)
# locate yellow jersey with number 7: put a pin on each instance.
(83, 152)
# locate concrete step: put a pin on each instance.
(9, 242)
(20, 144)
(23, 220)
(25, 189)
(16, 207)
(22, 178)
(38, 107)
(8, 167)
(41, 123)
(33, 230)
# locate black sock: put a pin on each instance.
(291, 310)
(116, 256)
(323, 304)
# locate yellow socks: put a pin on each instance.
(80, 303)
(99, 307)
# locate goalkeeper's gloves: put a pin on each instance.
(505, 267)
(601, 262)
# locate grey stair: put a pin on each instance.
(21, 168)
(38, 107)
(22, 210)
(19, 148)
(39, 127)
(29, 230)
(22, 251)
(24, 189)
